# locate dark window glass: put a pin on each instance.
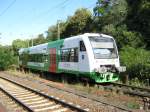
(69, 55)
(37, 58)
(103, 47)
(76, 55)
(82, 46)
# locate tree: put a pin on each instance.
(123, 36)
(110, 11)
(17, 44)
(138, 18)
(39, 40)
(111, 16)
(78, 23)
(7, 57)
(52, 33)
(128, 21)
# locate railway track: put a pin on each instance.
(144, 93)
(10, 105)
(81, 94)
(111, 86)
(128, 89)
(35, 101)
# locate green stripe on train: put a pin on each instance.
(56, 44)
(97, 77)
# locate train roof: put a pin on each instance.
(89, 34)
(35, 49)
(97, 34)
(21, 50)
(41, 48)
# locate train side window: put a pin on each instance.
(69, 55)
(64, 55)
(76, 55)
(82, 46)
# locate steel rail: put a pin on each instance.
(134, 88)
(63, 102)
(16, 100)
(85, 95)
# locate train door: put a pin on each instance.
(83, 59)
(53, 63)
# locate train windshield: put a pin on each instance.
(103, 47)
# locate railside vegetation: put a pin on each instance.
(128, 21)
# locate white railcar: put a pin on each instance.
(89, 55)
(97, 56)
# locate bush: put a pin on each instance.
(137, 62)
(6, 58)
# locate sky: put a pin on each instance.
(25, 19)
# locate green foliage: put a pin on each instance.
(133, 105)
(7, 57)
(52, 33)
(138, 18)
(137, 62)
(17, 44)
(102, 7)
(39, 40)
(78, 23)
(128, 21)
(111, 11)
(123, 36)
(136, 82)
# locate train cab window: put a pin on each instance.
(82, 46)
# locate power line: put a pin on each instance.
(53, 8)
(50, 10)
(91, 6)
(9, 6)
(66, 3)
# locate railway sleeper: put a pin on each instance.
(47, 108)
(42, 104)
(37, 102)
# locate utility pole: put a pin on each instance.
(58, 29)
(28, 43)
(0, 34)
(32, 41)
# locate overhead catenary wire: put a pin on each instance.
(53, 8)
(9, 6)
(50, 10)
(90, 6)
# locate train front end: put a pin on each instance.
(105, 64)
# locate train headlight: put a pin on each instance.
(102, 69)
(95, 70)
(121, 69)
